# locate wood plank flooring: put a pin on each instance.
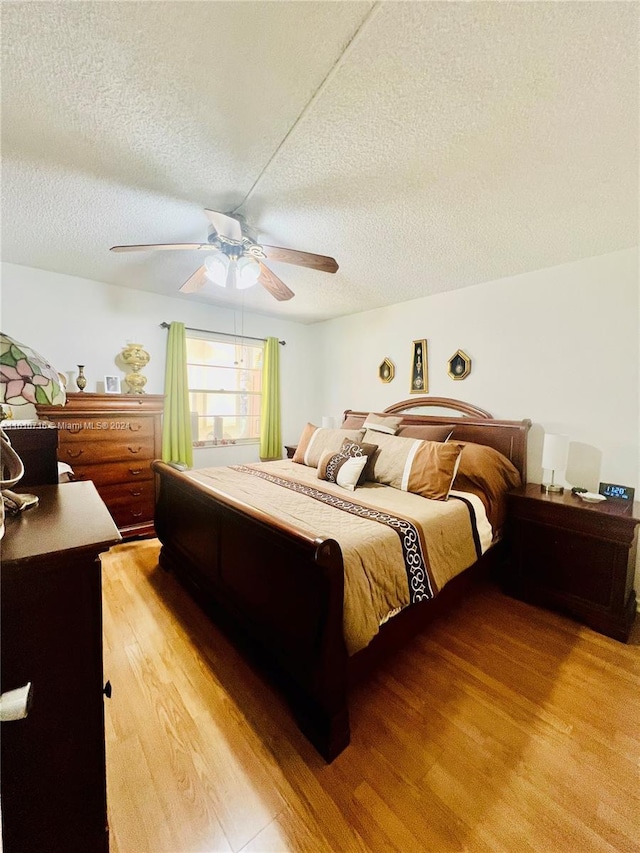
(503, 728)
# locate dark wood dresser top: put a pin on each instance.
(69, 516)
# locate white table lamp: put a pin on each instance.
(555, 452)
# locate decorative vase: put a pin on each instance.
(135, 357)
(81, 379)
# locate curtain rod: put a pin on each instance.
(166, 325)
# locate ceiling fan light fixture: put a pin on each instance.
(217, 267)
(248, 273)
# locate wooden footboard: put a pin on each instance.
(273, 586)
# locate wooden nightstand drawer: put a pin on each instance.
(574, 557)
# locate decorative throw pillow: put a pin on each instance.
(316, 441)
(413, 465)
(357, 448)
(342, 469)
(382, 423)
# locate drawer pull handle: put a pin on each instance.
(75, 455)
(135, 449)
(135, 492)
(134, 427)
(136, 514)
(135, 470)
(108, 690)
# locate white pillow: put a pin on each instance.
(342, 469)
(349, 473)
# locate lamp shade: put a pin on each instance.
(217, 267)
(555, 452)
(26, 377)
(248, 273)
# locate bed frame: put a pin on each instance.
(279, 591)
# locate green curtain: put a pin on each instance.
(177, 441)
(270, 433)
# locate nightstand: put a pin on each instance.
(574, 556)
(291, 449)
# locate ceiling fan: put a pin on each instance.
(236, 259)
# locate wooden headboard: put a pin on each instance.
(469, 424)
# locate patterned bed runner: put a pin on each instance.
(415, 560)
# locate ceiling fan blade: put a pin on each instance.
(152, 246)
(225, 225)
(195, 282)
(270, 281)
(301, 259)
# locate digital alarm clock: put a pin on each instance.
(615, 492)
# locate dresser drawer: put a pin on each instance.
(119, 494)
(131, 512)
(108, 428)
(99, 452)
(114, 472)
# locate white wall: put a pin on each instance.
(558, 346)
(73, 321)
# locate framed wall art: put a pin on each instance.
(459, 365)
(419, 382)
(386, 371)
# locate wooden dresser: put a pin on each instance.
(53, 761)
(112, 439)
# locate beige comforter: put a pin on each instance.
(377, 576)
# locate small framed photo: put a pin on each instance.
(419, 382)
(111, 384)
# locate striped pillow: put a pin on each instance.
(342, 469)
(424, 467)
(382, 423)
(316, 441)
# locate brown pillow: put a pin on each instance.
(424, 467)
(382, 423)
(353, 422)
(431, 432)
(486, 472)
(357, 448)
(316, 441)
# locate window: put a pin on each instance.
(225, 390)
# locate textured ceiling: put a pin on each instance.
(426, 146)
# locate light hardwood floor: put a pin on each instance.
(502, 728)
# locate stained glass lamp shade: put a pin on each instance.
(27, 377)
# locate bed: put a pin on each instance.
(318, 581)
